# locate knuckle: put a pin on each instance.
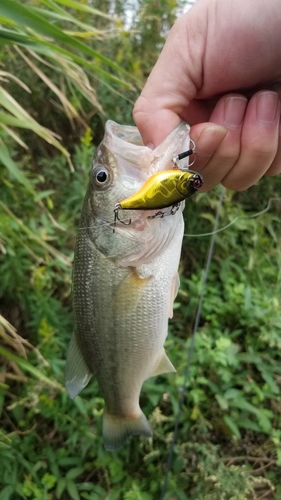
(229, 157)
(275, 167)
(235, 185)
(137, 109)
(260, 150)
(141, 106)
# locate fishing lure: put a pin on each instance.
(163, 189)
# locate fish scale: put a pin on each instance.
(124, 283)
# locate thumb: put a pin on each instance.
(171, 85)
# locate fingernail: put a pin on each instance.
(267, 106)
(150, 145)
(234, 111)
(214, 134)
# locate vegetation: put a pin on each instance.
(229, 441)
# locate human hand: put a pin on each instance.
(220, 70)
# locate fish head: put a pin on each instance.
(121, 165)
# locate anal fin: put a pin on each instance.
(163, 365)
(77, 372)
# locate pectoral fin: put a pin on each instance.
(163, 365)
(129, 293)
(174, 291)
(77, 372)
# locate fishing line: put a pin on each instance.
(192, 345)
(200, 235)
(235, 220)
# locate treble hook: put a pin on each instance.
(116, 217)
(161, 214)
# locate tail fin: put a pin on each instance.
(116, 430)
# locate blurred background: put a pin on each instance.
(66, 67)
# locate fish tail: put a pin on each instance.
(116, 430)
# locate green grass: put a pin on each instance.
(52, 446)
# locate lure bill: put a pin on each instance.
(124, 284)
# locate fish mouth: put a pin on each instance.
(137, 160)
(131, 221)
(153, 234)
(124, 133)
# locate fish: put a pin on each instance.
(124, 281)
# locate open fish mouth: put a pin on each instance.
(127, 133)
(126, 144)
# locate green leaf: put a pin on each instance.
(49, 480)
(72, 490)
(61, 485)
(45, 194)
(67, 461)
(78, 6)
(232, 393)
(53, 251)
(232, 426)
(28, 367)
(222, 402)
(242, 404)
(50, 50)
(6, 493)
(25, 120)
(278, 451)
(269, 380)
(75, 472)
(246, 423)
(13, 168)
(264, 422)
(61, 15)
(24, 17)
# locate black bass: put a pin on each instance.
(125, 280)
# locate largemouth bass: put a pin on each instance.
(125, 280)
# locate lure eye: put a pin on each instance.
(197, 181)
(101, 176)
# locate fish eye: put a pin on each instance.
(101, 176)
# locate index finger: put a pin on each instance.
(169, 88)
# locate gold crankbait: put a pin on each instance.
(163, 189)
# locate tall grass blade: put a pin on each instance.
(51, 49)
(49, 248)
(13, 168)
(25, 18)
(28, 367)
